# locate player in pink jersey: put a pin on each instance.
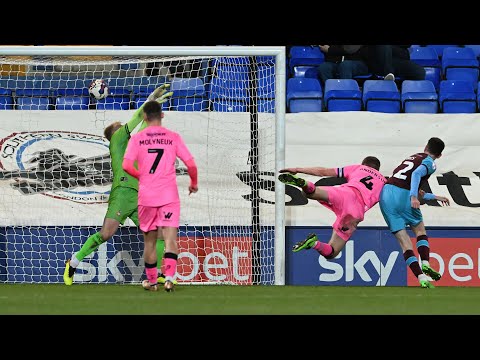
(349, 201)
(155, 150)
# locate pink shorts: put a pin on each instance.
(153, 217)
(347, 203)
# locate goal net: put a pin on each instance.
(56, 175)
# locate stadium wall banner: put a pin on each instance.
(372, 257)
(55, 166)
(339, 139)
(28, 139)
(205, 257)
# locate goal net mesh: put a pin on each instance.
(56, 176)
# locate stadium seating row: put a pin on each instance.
(441, 62)
(415, 96)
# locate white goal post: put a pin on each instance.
(55, 173)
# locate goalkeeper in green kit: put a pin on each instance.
(123, 200)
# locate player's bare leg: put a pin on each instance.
(109, 228)
(423, 249)
(150, 259)
(170, 257)
(410, 258)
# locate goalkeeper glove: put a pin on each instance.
(160, 94)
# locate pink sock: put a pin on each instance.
(152, 274)
(170, 267)
(309, 188)
(323, 249)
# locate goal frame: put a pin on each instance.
(278, 52)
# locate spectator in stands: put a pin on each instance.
(393, 60)
(342, 62)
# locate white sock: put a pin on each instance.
(74, 261)
(422, 277)
(425, 262)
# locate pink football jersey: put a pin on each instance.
(155, 149)
(365, 179)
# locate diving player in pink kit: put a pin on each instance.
(349, 201)
(155, 149)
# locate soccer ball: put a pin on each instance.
(98, 89)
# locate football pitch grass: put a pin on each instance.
(96, 299)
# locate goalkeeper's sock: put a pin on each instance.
(170, 260)
(92, 244)
(160, 250)
(152, 273)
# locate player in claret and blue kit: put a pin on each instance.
(400, 206)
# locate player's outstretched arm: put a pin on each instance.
(160, 94)
(316, 171)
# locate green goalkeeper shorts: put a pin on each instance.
(123, 204)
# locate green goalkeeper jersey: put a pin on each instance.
(117, 148)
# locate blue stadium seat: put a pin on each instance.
(143, 89)
(419, 96)
(342, 95)
(381, 96)
(305, 71)
(460, 64)
(72, 103)
(266, 106)
(119, 82)
(143, 84)
(71, 92)
(228, 89)
(118, 91)
(6, 99)
(187, 86)
(304, 55)
(457, 96)
(304, 95)
(70, 83)
(476, 49)
(33, 103)
(434, 74)
(8, 83)
(113, 103)
(228, 95)
(234, 73)
(188, 94)
(439, 49)
(139, 100)
(32, 92)
(425, 56)
(266, 88)
(266, 82)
